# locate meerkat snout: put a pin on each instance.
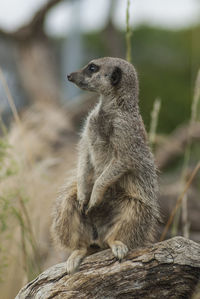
(69, 77)
(73, 77)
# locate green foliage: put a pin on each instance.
(8, 165)
(4, 212)
(164, 62)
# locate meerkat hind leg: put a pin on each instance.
(75, 260)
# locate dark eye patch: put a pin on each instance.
(91, 68)
(116, 76)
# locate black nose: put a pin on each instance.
(69, 77)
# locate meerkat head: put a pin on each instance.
(107, 76)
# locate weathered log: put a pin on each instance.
(169, 269)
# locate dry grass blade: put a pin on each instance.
(154, 121)
(193, 119)
(3, 128)
(14, 111)
(9, 97)
(31, 264)
(128, 33)
(179, 201)
(187, 155)
(30, 232)
(25, 257)
(196, 99)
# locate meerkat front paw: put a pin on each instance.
(119, 249)
(89, 208)
(82, 205)
(82, 202)
(94, 201)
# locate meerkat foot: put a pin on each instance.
(119, 249)
(75, 260)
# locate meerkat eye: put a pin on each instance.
(93, 68)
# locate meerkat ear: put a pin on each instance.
(116, 76)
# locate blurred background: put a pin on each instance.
(41, 113)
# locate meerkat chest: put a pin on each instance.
(100, 127)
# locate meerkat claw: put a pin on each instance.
(82, 207)
(119, 250)
(87, 210)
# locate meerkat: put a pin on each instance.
(112, 199)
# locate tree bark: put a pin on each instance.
(169, 269)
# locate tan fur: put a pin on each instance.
(112, 201)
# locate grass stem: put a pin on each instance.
(154, 121)
(9, 98)
(128, 33)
